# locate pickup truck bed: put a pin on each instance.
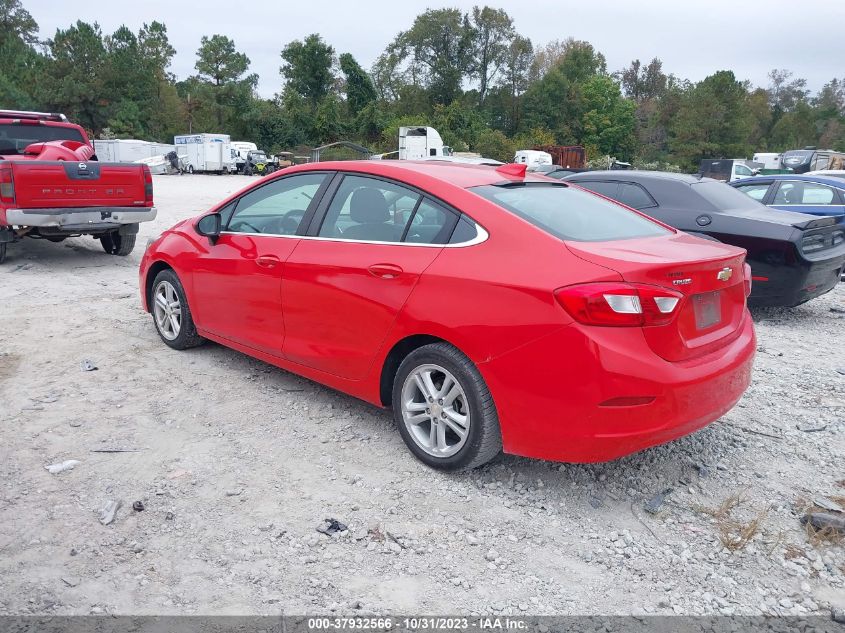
(52, 187)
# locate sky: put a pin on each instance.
(692, 38)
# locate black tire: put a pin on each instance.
(484, 438)
(2, 252)
(188, 336)
(116, 244)
(56, 239)
(190, 169)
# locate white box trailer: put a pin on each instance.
(206, 152)
(129, 150)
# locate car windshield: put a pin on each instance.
(569, 213)
(259, 156)
(722, 196)
(14, 137)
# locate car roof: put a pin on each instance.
(637, 175)
(461, 175)
(822, 180)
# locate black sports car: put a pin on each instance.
(794, 257)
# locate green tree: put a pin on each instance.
(360, 91)
(495, 144)
(77, 73)
(17, 22)
(440, 46)
(307, 68)
(608, 119)
(712, 121)
(492, 32)
(221, 66)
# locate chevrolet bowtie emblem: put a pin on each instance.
(724, 274)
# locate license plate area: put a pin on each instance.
(708, 309)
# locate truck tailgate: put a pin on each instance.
(46, 184)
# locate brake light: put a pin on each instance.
(620, 304)
(148, 186)
(746, 270)
(7, 185)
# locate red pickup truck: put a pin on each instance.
(52, 186)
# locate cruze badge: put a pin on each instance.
(681, 282)
(724, 274)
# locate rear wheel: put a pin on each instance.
(444, 410)
(171, 314)
(2, 252)
(116, 244)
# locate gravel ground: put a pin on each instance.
(239, 463)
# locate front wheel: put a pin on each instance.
(171, 313)
(444, 410)
(115, 243)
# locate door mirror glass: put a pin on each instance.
(209, 225)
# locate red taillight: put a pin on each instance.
(620, 304)
(7, 185)
(746, 270)
(148, 186)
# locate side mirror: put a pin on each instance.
(210, 225)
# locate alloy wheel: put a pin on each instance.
(435, 410)
(167, 310)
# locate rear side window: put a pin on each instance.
(14, 137)
(430, 224)
(634, 196)
(571, 214)
(609, 189)
(369, 209)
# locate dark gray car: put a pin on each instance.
(794, 257)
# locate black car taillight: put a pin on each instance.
(148, 186)
(7, 185)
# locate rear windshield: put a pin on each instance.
(569, 213)
(14, 137)
(796, 157)
(722, 196)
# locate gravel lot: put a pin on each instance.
(240, 462)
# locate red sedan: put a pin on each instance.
(491, 309)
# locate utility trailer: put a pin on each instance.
(209, 153)
(129, 150)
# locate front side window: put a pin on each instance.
(569, 213)
(276, 208)
(369, 209)
(756, 191)
(742, 170)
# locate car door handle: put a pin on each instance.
(385, 271)
(267, 261)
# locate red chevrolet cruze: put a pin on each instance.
(491, 309)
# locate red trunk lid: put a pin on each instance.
(71, 184)
(709, 274)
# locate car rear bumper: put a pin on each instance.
(83, 219)
(553, 395)
(789, 286)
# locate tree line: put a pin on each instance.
(471, 75)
